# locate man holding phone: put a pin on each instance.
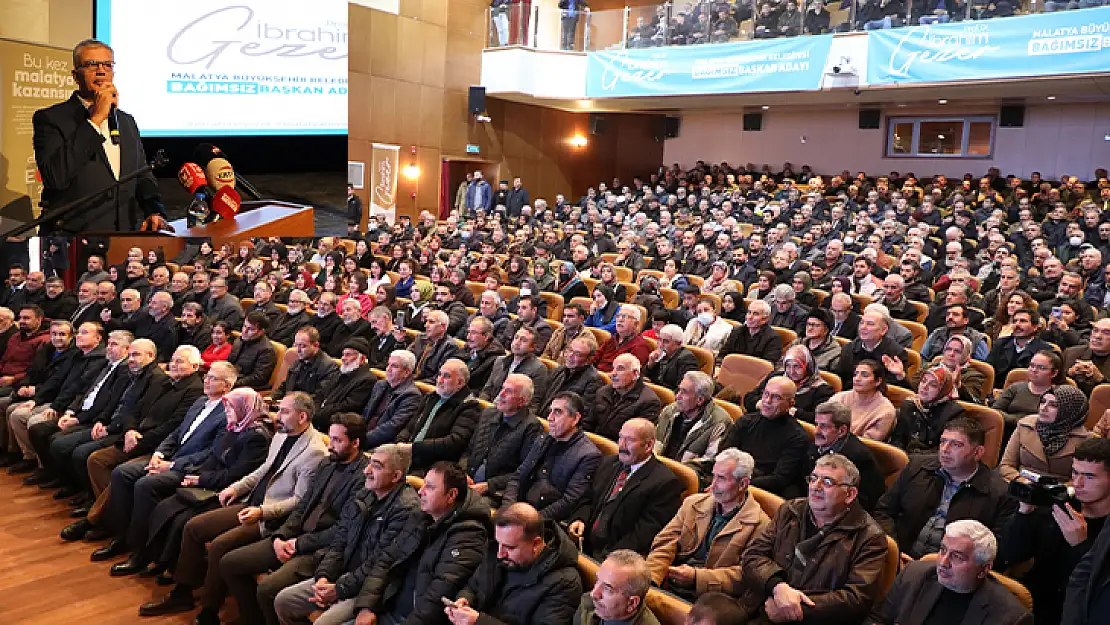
(1089, 365)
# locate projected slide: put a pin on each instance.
(219, 67)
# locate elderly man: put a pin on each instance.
(894, 298)
(632, 496)
(350, 389)
(574, 318)
(222, 306)
(250, 508)
(253, 354)
(352, 326)
(1017, 350)
(671, 361)
(263, 301)
(690, 430)
(194, 329)
(482, 351)
(785, 310)
(627, 397)
(756, 337)
(775, 439)
(455, 310)
(955, 323)
(957, 588)
(106, 298)
(556, 474)
(312, 372)
(58, 303)
(699, 549)
(822, 557)
(88, 307)
(933, 491)
(501, 442)
(446, 421)
(393, 401)
(528, 317)
(619, 594)
(432, 348)
(286, 325)
(873, 344)
(179, 290)
(845, 321)
(627, 340)
(326, 320)
(1089, 365)
(577, 374)
(833, 434)
(520, 359)
(491, 308)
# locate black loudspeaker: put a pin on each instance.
(476, 103)
(1011, 116)
(869, 119)
(671, 127)
(753, 122)
(597, 124)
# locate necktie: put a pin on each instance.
(423, 357)
(618, 485)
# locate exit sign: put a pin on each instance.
(472, 149)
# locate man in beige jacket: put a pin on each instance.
(699, 550)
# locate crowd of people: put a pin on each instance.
(432, 422)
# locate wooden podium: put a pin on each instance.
(264, 218)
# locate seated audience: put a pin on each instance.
(1045, 443)
(620, 593)
(445, 422)
(756, 337)
(811, 389)
(520, 359)
(690, 430)
(921, 418)
(313, 370)
(393, 401)
(574, 316)
(628, 396)
(576, 374)
(627, 339)
(1015, 351)
(1088, 365)
(775, 440)
(432, 347)
(832, 434)
(873, 415)
(502, 439)
(253, 355)
(671, 361)
(706, 330)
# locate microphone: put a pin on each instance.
(192, 177)
(226, 202)
(220, 173)
(113, 126)
(205, 153)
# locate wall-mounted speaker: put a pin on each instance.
(476, 102)
(671, 127)
(597, 124)
(869, 119)
(1011, 116)
(753, 122)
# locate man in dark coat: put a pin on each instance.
(253, 355)
(756, 337)
(352, 326)
(1015, 351)
(312, 372)
(194, 328)
(502, 440)
(349, 390)
(393, 401)
(285, 326)
(627, 397)
(873, 344)
(833, 434)
(577, 374)
(432, 348)
(520, 359)
(442, 428)
(481, 351)
(632, 497)
(667, 365)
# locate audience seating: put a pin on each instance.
(688, 476)
(891, 567)
(705, 359)
(889, 458)
(743, 373)
(666, 395)
(554, 305)
(988, 376)
(667, 608)
(601, 336)
(832, 380)
(506, 292)
(732, 409)
(285, 359)
(768, 501)
(787, 335)
(670, 297)
(922, 310)
(918, 331)
(897, 394)
(994, 424)
(1100, 402)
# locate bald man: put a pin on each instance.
(775, 439)
(632, 496)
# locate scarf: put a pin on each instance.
(247, 404)
(947, 382)
(1071, 411)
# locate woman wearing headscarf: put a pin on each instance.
(955, 357)
(1045, 442)
(607, 274)
(799, 365)
(541, 271)
(568, 283)
(518, 270)
(766, 282)
(803, 290)
(921, 419)
(733, 307)
(457, 278)
(234, 454)
(603, 313)
(649, 296)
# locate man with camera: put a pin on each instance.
(1056, 526)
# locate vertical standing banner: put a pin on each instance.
(382, 181)
(33, 77)
(1044, 44)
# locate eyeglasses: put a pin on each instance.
(825, 481)
(92, 64)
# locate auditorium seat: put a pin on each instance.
(666, 395)
(768, 501)
(705, 359)
(1100, 401)
(554, 305)
(732, 409)
(919, 332)
(891, 566)
(508, 292)
(832, 380)
(890, 459)
(688, 476)
(285, 358)
(994, 424)
(670, 297)
(897, 394)
(1016, 588)
(743, 373)
(988, 376)
(787, 335)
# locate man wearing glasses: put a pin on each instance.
(78, 154)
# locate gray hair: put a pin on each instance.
(7, 313)
(631, 360)
(839, 414)
(484, 325)
(439, 317)
(407, 358)
(639, 581)
(762, 307)
(197, 309)
(837, 461)
(145, 345)
(399, 457)
(496, 297)
(464, 371)
(190, 353)
(986, 545)
(784, 293)
(634, 312)
(745, 463)
(527, 388)
(227, 371)
(123, 336)
(303, 402)
(703, 384)
(671, 332)
(88, 43)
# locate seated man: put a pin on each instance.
(351, 325)
(433, 558)
(222, 306)
(271, 493)
(286, 325)
(290, 551)
(194, 329)
(756, 337)
(632, 496)
(253, 355)
(574, 326)
(370, 523)
(529, 574)
(933, 491)
(1015, 351)
(627, 397)
(432, 348)
(955, 322)
(520, 359)
(502, 440)
(671, 361)
(349, 390)
(956, 587)
(845, 318)
(822, 557)
(383, 342)
(556, 475)
(690, 557)
(313, 370)
(326, 320)
(873, 343)
(1088, 365)
(833, 434)
(576, 374)
(45, 377)
(446, 421)
(528, 317)
(690, 430)
(775, 439)
(626, 340)
(393, 401)
(482, 351)
(620, 592)
(263, 302)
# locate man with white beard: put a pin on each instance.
(348, 391)
(295, 318)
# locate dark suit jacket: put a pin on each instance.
(255, 360)
(401, 404)
(347, 392)
(380, 349)
(142, 388)
(1005, 358)
(440, 353)
(530, 366)
(83, 370)
(310, 377)
(916, 591)
(284, 328)
(481, 364)
(192, 451)
(106, 399)
(91, 313)
(350, 480)
(449, 432)
(670, 371)
(850, 328)
(344, 333)
(70, 157)
(503, 453)
(586, 381)
(160, 413)
(649, 500)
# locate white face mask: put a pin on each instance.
(525, 291)
(705, 319)
(1075, 241)
(849, 240)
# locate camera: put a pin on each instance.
(1041, 490)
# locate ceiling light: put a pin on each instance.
(941, 137)
(1051, 97)
(765, 107)
(942, 101)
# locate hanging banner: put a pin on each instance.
(33, 77)
(383, 181)
(788, 64)
(1044, 44)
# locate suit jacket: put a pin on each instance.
(850, 328)
(916, 591)
(290, 483)
(380, 349)
(141, 388)
(189, 452)
(161, 412)
(397, 405)
(586, 381)
(438, 353)
(765, 344)
(647, 502)
(71, 159)
(612, 408)
(448, 433)
(344, 333)
(1005, 358)
(83, 371)
(670, 371)
(227, 308)
(84, 314)
(311, 377)
(106, 398)
(481, 364)
(255, 360)
(503, 453)
(199, 337)
(530, 366)
(284, 328)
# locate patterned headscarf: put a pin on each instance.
(1071, 411)
(248, 404)
(947, 381)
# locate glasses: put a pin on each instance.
(825, 481)
(1039, 367)
(109, 65)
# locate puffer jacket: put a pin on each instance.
(548, 591)
(366, 527)
(502, 456)
(446, 553)
(844, 566)
(555, 487)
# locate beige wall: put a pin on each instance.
(54, 22)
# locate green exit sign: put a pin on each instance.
(472, 148)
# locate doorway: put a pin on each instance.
(454, 173)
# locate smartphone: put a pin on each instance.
(401, 319)
(1057, 313)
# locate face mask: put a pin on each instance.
(465, 234)
(1075, 241)
(705, 319)
(526, 292)
(849, 240)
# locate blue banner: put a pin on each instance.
(1064, 42)
(788, 64)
